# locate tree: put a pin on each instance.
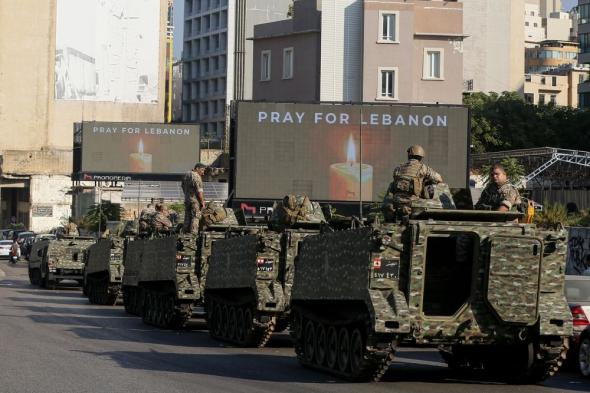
(98, 215)
(514, 170)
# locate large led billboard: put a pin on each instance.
(138, 148)
(107, 50)
(342, 152)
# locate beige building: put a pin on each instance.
(493, 50)
(584, 39)
(549, 55)
(559, 86)
(46, 88)
(371, 51)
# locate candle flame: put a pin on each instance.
(140, 147)
(351, 151)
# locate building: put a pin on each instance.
(558, 86)
(493, 50)
(177, 91)
(547, 7)
(355, 50)
(533, 24)
(558, 26)
(549, 55)
(217, 57)
(50, 81)
(584, 57)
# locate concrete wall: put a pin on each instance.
(534, 31)
(49, 194)
(558, 26)
(494, 46)
(421, 25)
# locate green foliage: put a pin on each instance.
(290, 12)
(177, 207)
(505, 122)
(514, 170)
(99, 214)
(552, 216)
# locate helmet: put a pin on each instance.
(416, 150)
(200, 165)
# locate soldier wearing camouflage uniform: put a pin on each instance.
(145, 217)
(194, 200)
(408, 183)
(72, 228)
(160, 221)
(499, 194)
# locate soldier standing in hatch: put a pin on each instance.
(194, 200)
(408, 183)
(160, 221)
(499, 194)
(72, 228)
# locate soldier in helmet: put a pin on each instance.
(160, 221)
(72, 229)
(499, 194)
(194, 199)
(408, 183)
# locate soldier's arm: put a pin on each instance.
(432, 176)
(510, 198)
(200, 192)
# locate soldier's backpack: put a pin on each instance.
(295, 209)
(214, 213)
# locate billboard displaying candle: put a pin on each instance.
(350, 180)
(141, 149)
(140, 162)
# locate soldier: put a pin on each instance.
(72, 229)
(160, 221)
(408, 183)
(194, 200)
(145, 217)
(499, 194)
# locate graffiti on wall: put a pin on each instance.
(578, 252)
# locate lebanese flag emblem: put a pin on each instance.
(377, 263)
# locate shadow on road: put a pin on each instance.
(82, 301)
(88, 311)
(61, 292)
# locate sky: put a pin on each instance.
(566, 4)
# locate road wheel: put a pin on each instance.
(224, 318)
(240, 325)
(309, 341)
(332, 350)
(343, 349)
(357, 352)
(321, 347)
(584, 357)
(147, 308)
(232, 322)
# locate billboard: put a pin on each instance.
(107, 50)
(342, 152)
(138, 148)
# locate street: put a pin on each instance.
(55, 341)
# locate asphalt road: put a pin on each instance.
(55, 341)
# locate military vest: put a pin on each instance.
(408, 180)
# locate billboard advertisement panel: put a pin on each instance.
(138, 148)
(342, 152)
(107, 50)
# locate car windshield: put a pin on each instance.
(5, 242)
(577, 289)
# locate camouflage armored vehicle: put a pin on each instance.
(162, 278)
(103, 271)
(248, 285)
(52, 261)
(485, 290)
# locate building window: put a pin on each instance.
(388, 27)
(526, 23)
(542, 80)
(529, 98)
(387, 84)
(527, 77)
(554, 81)
(288, 63)
(553, 99)
(541, 99)
(536, 25)
(265, 65)
(433, 64)
(584, 39)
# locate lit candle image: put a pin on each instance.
(349, 179)
(140, 162)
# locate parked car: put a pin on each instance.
(5, 246)
(577, 292)
(21, 237)
(28, 242)
(4, 233)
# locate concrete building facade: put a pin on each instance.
(493, 50)
(371, 51)
(584, 40)
(217, 56)
(36, 129)
(533, 24)
(549, 55)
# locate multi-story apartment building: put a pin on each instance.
(217, 57)
(533, 24)
(493, 50)
(558, 86)
(547, 7)
(362, 50)
(549, 55)
(104, 63)
(584, 40)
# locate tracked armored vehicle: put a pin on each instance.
(488, 292)
(53, 261)
(250, 275)
(103, 271)
(162, 282)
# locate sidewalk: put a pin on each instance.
(2, 274)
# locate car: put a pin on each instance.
(5, 246)
(4, 234)
(21, 237)
(577, 292)
(28, 243)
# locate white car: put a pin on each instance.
(5, 246)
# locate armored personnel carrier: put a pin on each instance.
(248, 285)
(53, 261)
(103, 271)
(484, 289)
(162, 279)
